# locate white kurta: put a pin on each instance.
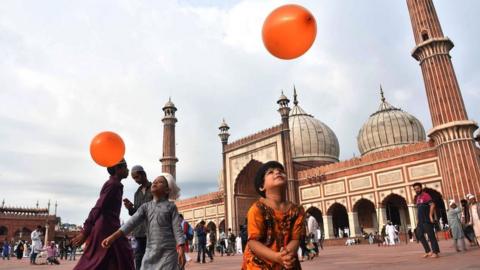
(312, 225)
(391, 232)
(36, 241)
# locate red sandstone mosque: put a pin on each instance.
(362, 192)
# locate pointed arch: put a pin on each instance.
(244, 192)
(339, 218)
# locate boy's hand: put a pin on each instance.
(279, 256)
(181, 256)
(107, 242)
(128, 204)
(79, 240)
(288, 260)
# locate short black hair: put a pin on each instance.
(111, 170)
(180, 215)
(39, 227)
(417, 184)
(260, 176)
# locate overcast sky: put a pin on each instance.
(70, 69)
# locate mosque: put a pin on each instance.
(361, 193)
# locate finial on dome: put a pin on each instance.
(381, 94)
(295, 100)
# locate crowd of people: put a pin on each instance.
(52, 252)
(278, 234)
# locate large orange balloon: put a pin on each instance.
(289, 31)
(107, 149)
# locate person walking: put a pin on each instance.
(426, 221)
(391, 232)
(36, 244)
(474, 216)
(103, 220)
(453, 216)
(201, 241)
(20, 250)
(142, 195)
(165, 238)
(6, 250)
(467, 228)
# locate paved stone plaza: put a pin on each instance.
(355, 257)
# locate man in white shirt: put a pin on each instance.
(312, 225)
(36, 244)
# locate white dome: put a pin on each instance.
(387, 128)
(311, 139)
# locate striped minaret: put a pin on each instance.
(169, 159)
(452, 131)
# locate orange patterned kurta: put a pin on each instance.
(275, 229)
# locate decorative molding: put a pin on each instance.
(360, 183)
(310, 193)
(390, 177)
(423, 171)
(337, 187)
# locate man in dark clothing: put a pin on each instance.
(142, 195)
(63, 248)
(201, 240)
(426, 221)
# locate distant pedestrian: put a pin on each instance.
(474, 215)
(36, 244)
(20, 250)
(202, 241)
(6, 250)
(425, 221)
(453, 215)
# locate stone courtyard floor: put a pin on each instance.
(338, 257)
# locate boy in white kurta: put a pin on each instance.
(165, 238)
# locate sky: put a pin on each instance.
(71, 69)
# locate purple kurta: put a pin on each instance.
(102, 221)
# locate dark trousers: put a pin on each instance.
(33, 257)
(202, 249)
(210, 251)
(140, 251)
(63, 254)
(427, 228)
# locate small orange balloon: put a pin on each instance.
(107, 149)
(289, 31)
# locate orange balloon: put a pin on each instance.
(107, 149)
(289, 31)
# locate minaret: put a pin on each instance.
(56, 206)
(224, 135)
(284, 111)
(452, 131)
(169, 160)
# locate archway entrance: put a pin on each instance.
(3, 230)
(441, 211)
(367, 216)
(245, 193)
(317, 214)
(221, 226)
(397, 210)
(212, 227)
(339, 219)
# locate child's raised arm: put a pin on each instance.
(131, 224)
(107, 242)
